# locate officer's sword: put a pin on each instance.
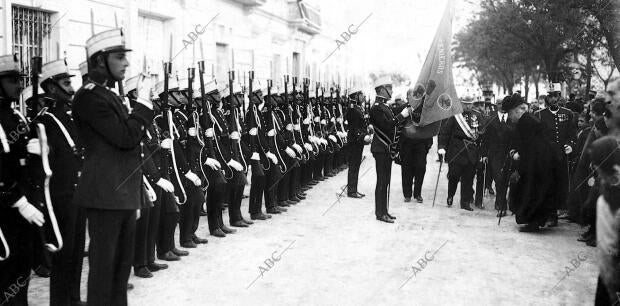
(438, 176)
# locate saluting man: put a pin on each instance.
(385, 124)
(110, 187)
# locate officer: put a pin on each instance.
(483, 180)
(561, 131)
(384, 123)
(357, 137)
(110, 187)
(18, 216)
(457, 142)
(66, 164)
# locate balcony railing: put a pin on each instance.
(305, 17)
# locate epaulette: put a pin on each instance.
(89, 86)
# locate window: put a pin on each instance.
(296, 71)
(153, 43)
(222, 62)
(31, 37)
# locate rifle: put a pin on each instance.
(253, 116)
(296, 118)
(180, 196)
(234, 120)
(43, 197)
(309, 114)
(270, 107)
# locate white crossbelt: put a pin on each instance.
(63, 130)
(4, 141)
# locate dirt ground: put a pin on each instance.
(329, 252)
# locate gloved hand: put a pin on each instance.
(29, 212)
(441, 152)
(34, 146)
(297, 127)
(289, 127)
(191, 132)
(332, 119)
(165, 185)
(213, 164)
(193, 177)
(306, 121)
(290, 152)
(144, 91)
(138, 214)
(367, 139)
(405, 112)
(272, 157)
(255, 156)
(484, 160)
(515, 155)
(323, 122)
(209, 133)
(235, 165)
(323, 141)
(568, 149)
(339, 120)
(166, 144)
(333, 138)
(308, 146)
(317, 119)
(271, 133)
(253, 131)
(297, 148)
(234, 135)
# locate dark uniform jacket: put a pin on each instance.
(357, 125)
(497, 135)
(460, 148)
(112, 175)
(385, 123)
(560, 128)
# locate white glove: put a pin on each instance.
(271, 133)
(272, 157)
(312, 139)
(568, 149)
(308, 146)
(214, 164)
(209, 133)
(290, 152)
(253, 131)
(255, 156)
(289, 127)
(405, 112)
(193, 177)
(323, 141)
(234, 135)
(367, 138)
(165, 185)
(333, 138)
(191, 131)
(516, 156)
(29, 212)
(306, 121)
(34, 146)
(323, 122)
(166, 144)
(297, 127)
(317, 119)
(235, 165)
(333, 120)
(346, 122)
(339, 120)
(441, 152)
(137, 214)
(297, 148)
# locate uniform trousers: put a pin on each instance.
(112, 234)
(461, 171)
(383, 163)
(354, 161)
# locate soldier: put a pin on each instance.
(17, 215)
(111, 183)
(357, 137)
(255, 125)
(276, 145)
(384, 123)
(561, 131)
(457, 142)
(66, 163)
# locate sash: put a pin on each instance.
(464, 126)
